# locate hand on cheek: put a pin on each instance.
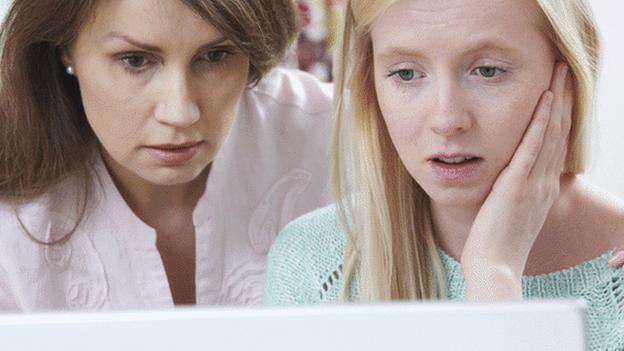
(518, 204)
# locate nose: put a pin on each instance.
(450, 115)
(177, 106)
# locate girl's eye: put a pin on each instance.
(134, 61)
(489, 72)
(405, 74)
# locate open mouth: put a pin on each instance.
(454, 169)
(456, 160)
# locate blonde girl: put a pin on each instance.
(460, 135)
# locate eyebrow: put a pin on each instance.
(153, 48)
(479, 46)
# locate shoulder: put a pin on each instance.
(317, 232)
(45, 218)
(13, 244)
(66, 274)
(8, 223)
(286, 108)
(293, 89)
(34, 214)
(602, 213)
(19, 255)
(307, 253)
(586, 222)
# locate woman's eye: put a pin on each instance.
(488, 71)
(215, 55)
(134, 61)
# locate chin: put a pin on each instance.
(456, 197)
(172, 175)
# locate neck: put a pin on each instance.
(452, 226)
(153, 203)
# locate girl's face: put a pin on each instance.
(160, 87)
(455, 79)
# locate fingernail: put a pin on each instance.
(617, 260)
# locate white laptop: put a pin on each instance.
(535, 326)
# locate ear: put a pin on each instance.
(66, 57)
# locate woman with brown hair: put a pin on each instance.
(149, 153)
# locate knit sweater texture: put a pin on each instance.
(305, 268)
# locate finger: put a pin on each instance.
(558, 86)
(568, 105)
(617, 260)
(566, 123)
(549, 159)
(531, 143)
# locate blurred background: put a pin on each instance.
(315, 47)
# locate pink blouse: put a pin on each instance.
(273, 167)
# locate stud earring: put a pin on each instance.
(70, 70)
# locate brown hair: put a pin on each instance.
(44, 134)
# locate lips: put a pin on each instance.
(174, 146)
(456, 168)
(173, 154)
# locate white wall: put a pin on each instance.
(4, 5)
(607, 165)
(607, 168)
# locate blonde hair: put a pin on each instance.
(386, 215)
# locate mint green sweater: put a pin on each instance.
(305, 267)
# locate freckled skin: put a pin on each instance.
(435, 98)
(450, 106)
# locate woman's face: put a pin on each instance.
(459, 78)
(160, 87)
